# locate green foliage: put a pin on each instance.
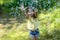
(49, 27)
(1, 2)
(39, 4)
(49, 20)
(44, 4)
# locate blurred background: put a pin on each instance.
(13, 21)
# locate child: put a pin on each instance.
(32, 24)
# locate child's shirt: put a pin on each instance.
(32, 24)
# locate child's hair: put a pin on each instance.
(33, 14)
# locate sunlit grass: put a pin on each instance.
(1, 1)
(49, 28)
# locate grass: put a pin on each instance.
(49, 28)
(1, 1)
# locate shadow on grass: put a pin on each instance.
(6, 20)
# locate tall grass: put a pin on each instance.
(49, 28)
